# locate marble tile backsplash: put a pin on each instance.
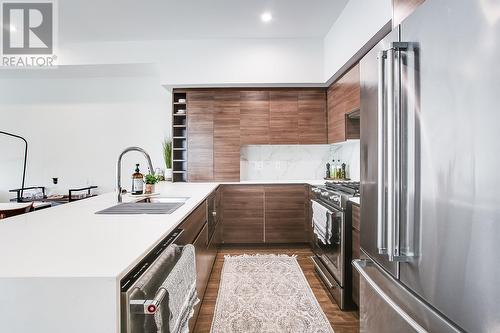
(295, 162)
(348, 152)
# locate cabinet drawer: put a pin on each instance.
(193, 224)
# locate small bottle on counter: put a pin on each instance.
(343, 171)
(137, 181)
(328, 171)
(339, 170)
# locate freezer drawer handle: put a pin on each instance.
(360, 265)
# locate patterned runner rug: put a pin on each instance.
(266, 293)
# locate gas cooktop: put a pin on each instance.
(346, 186)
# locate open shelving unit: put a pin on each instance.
(179, 136)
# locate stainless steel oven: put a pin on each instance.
(332, 257)
(332, 253)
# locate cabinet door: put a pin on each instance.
(254, 115)
(243, 214)
(283, 119)
(312, 117)
(286, 209)
(227, 136)
(193, 224)
(200, 135)
(343, 97)
(203, 261)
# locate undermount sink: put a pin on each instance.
(150, 205)
(163, 200)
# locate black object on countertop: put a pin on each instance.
(25, 155)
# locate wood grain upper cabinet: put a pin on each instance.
(286, 211)
(254, 117)
(283, 117)
(402, 9)
(243, 214)
(200, 122)
(227, 135)
(343, 97)
(312, 117)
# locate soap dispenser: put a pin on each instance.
(137, 181)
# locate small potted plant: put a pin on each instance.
(150, 181)
(167, 156)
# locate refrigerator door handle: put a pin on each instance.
(396, 162)
(392, 207)
(381, 229)
(359, 265)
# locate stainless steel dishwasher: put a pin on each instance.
(141, 293)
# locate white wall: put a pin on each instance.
(211, 61)
(357, 24)
(77, 126)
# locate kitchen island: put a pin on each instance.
(60, 268)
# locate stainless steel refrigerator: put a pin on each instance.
(430, 172)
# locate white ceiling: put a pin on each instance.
(133, 20)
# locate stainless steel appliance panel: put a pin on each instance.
(333, 255)
(387, 307)
(370, 162)
(452, 82)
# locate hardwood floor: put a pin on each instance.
(342, 322)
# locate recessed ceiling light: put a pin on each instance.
(266, 17)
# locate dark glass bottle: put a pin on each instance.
(137, 181)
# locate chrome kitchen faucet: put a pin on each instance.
(119, 167)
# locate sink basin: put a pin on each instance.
(152, 205)
(163, 200)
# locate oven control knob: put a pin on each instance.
(325, 194)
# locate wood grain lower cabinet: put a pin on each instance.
(283, 117)
(243, 214)
(286, 214)
(227, 136)
(200, 145)
(265, 214)
(195, 231)
(356, 218)
(204, 261)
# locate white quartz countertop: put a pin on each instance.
(70, 240)
(277, 182)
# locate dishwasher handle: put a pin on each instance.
(148, 306)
